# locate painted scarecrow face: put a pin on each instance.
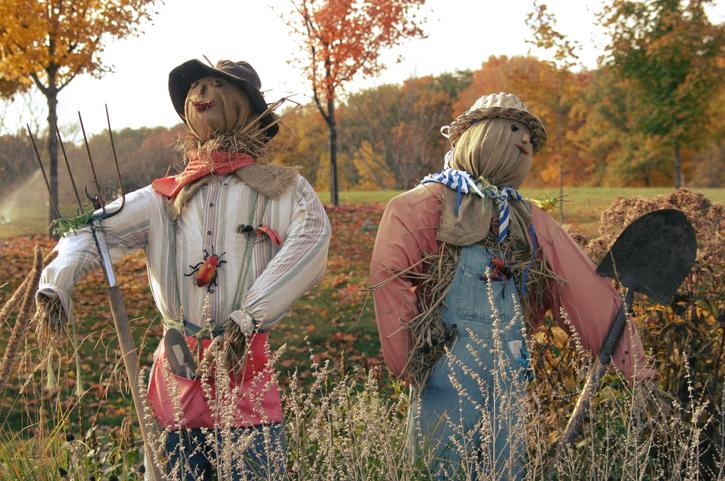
(214, 105)
(521, 139)
(497, 149)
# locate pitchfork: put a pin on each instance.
(149, 430)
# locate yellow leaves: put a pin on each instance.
(370, 165)
(547, 204)
(55, 41)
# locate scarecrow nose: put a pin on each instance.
(525, 139)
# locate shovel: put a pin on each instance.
(652, 256)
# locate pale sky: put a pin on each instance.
(461, 34)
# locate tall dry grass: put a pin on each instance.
(339, 427)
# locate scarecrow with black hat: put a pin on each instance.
(461, 264)
(230, 243)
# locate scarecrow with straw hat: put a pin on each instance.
(230, 244)
(462, 264)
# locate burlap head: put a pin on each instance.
(496, 152)
(214, 105)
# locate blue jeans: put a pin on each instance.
(473, 426)
(253, 453)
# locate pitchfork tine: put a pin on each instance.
(67, 165)
(93, 168)
(115, 160)
(42, 169)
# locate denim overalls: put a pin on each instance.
(468, 426)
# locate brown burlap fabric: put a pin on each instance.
(269, 180)
(496, 154)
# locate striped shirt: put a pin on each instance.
(259, 277)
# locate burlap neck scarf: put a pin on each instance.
(494, 153)
(269, 180)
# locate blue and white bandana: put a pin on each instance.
(462, 182)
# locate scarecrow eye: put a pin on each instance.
(217, 82)
(514, 127)
(194, 84)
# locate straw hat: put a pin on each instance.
(497, 106)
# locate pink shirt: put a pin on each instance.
(407, 233)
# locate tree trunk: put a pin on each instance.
(332, 125)
(52, 97)
(678, 167)
(561, 164)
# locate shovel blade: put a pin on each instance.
(653, 254)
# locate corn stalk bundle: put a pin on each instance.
(23, 297)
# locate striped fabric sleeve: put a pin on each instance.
(77, 253)
(299, 264)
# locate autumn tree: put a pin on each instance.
(344, 39)
(393, 133)
(553, 95)
(667, 51)
(560, 100)
(301, 141)
(48, 43)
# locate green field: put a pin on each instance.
(582, 205)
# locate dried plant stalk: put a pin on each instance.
(22, 322)
(12, 303)
(14, 300)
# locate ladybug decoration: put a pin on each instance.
(206, 270)
(499, 272)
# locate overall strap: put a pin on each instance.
(178, 321)
(248, 249)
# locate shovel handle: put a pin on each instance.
(596, 372)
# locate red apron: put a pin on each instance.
(257, 400)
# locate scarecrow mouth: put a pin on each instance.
(522, 149)
(202, 105)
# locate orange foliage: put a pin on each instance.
(50, 43)
(552, 94)
(346, 37)
(301, 142)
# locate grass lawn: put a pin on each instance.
(582, 205)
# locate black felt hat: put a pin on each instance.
(240, 73)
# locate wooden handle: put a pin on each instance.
(596, 372)
(130, 362)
